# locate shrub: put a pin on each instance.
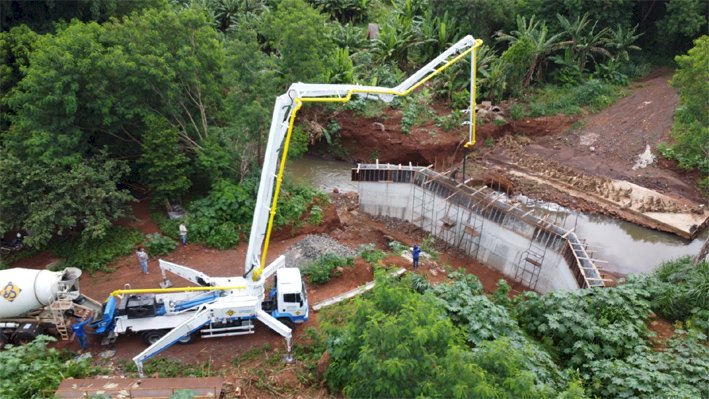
(569, 100)
(680, 289)
(35, 371)
(397, 343)
(690, 129)
(223, 236)
(316, 215)
(398, 247)
(293, 203)
(677, 372)
(588, 325)
(158, 244)
(298, 143)
(427, 246)
(450, 121)
(94, 255)
(371, 255)
(516, 112)
(321, 271)
(218, 219)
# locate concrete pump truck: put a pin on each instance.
(225, 306)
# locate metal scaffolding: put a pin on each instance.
(457, 213)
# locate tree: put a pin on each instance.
(583, 39)
(682, 22)
(56, 106)
(690, 129)
(15, 48)
(344, 11)
(397, 38)
(163, 164)
(398, 343)
(173, 69)
(607, 12)
(41, 15)
(52, 199)
(530, 44)
(300, 34)
(481, 18)
(253, 82)
(622, 41)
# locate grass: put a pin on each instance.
(594, 95)
(322, 270)
(166, 368)
(371, 255)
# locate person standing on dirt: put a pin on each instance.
(142, 259)
(415, 253)
(79, 333)
(183, 234)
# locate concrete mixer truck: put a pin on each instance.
(34, 302)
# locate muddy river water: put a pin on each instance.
(628, 248)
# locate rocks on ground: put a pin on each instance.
(314, 247)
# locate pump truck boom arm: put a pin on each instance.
(284, 113)
(241, 299)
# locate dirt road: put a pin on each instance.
(609, 143)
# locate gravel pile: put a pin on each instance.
(314, 247)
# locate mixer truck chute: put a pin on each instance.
(34, 302)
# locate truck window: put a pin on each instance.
(291, 298)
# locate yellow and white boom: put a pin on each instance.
(242, 297)
(284, 114)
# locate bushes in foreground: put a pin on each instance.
(406, 339)
(35, 371)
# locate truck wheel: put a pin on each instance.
(22, 338)
(151, 336)
(3, 340)
(188, 339)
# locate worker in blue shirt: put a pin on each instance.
(415, 253)
(78, 329)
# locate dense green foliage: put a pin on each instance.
(589, 343)
(51, 199)
(177, 95)
(158, 244)
(163, 166)
(371, 255)
(96, 254)
(220, 218)
(397, 343)
(680, 291)
(691, 125)
(35, 371)
(323, 269)
(679, 371)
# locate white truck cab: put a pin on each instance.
(292, 299)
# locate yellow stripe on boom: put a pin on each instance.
(299, 103)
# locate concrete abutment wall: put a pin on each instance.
(480, 223)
